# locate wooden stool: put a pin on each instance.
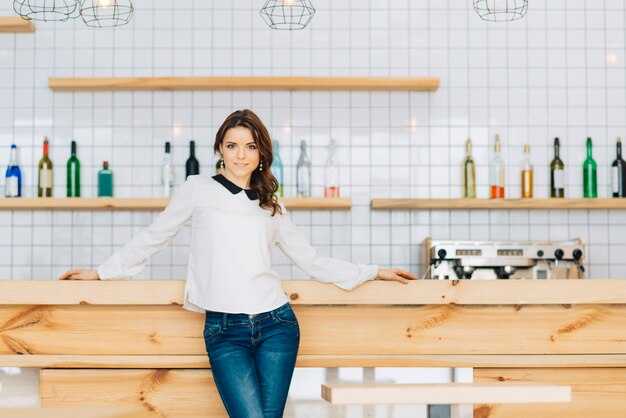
(442, 395)
(95, 411)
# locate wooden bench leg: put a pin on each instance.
(439, 411)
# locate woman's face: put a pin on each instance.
(240, 152)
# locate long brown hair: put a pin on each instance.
(262, 182)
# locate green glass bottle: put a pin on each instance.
(44, 184)
(469, 172)
(73, 174)
(105, 181)
(557, 173)
(590, 178)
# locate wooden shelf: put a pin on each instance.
(15, 24)
(110, 203)
(244, 83)
(201, 361)
(494, 204)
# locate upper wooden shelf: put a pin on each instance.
(15, 24)
(111, 203)
(244, 83)
(466, 204)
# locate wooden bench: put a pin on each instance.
(443, 394)
(94, 411)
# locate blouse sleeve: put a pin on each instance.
(132, 258)
(324, 269)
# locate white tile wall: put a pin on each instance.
(557, 72)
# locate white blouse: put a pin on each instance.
(232, 237)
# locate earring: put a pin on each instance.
(261, 166)
(222, 163)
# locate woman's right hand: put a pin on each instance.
(80, 274)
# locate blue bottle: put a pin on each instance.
(13, 178)
(277, 168)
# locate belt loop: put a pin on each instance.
(224, 319)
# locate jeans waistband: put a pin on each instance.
(225, 317)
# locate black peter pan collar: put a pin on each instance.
(233, 188)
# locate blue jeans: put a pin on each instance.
(252, 359)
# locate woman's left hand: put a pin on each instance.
(398, 275)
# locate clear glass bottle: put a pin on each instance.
(469, 172)
(277, 168)
(590, 177)
(496, 173)
(557, 173)
(303, 173)
(167, 172)
(44, 183)
(105, 181)
(527, 174)
(13, 176)
(331, 171)
(73, 174)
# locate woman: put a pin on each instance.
(250, 330)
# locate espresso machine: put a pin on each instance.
(490, 260)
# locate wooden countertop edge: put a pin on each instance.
(309, 292)
(305, 360)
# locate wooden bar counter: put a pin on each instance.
(130, 342)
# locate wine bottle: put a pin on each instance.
(44, 184)
(192, 166)
(167, 172)
(331, 172)
(303, 173)
(496, 175)
(618, 173)
(590, 179)
(13, 177)
(469, 172)
(557, 173)
(277, 168)
(105, 181)
(73, 174)
(527, 174)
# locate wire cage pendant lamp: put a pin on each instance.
(106, 13)
(501, 10)
(287, 14)
(46, 10)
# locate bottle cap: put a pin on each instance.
(167, 147)
(468, 145)
(105, 164)
(527, 148)
(619, 140)
(497, 143)
(13, 146)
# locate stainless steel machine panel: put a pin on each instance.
(504, 259)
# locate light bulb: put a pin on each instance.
(104, 3)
